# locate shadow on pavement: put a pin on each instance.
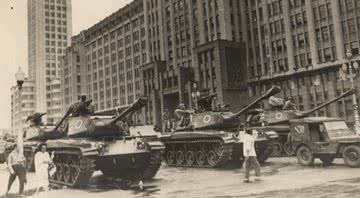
(27, 193)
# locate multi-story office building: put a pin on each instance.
(49, 33)
(199, 43)
(73, 82)
(22, 107)
(236, 49)
(160, 48)
(300, 46)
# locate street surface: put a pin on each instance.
(281, 177)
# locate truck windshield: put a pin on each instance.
(338, 129)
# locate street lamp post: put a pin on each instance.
(352, 74)
(20, 78)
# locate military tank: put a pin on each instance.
(211, 139)
(278, 121)
(36, 134)
(100, 142)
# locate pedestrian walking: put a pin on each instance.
(250, 154)
(16, 165)
(42, 160)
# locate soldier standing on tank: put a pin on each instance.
(250, 154)
(182, 115)
(166, 121)
(289, 104)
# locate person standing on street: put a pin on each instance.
(42, 160)
(16, 165)
(250, 155)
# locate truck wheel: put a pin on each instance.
(351, 156)
(305, 156)
(288, 149)
(327, 159)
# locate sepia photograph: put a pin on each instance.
(180, 98)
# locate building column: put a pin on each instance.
(224, 19)
(311, 32)
(288, 33)
(262, 63)
(339, 39)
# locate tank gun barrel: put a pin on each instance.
(62, 119)
(348, 93)
(72, 109)
(306, 113)
(138, 104)
(273, 91)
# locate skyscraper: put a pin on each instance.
(49, 33)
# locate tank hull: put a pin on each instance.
(203, 149)
(209, 149)
(128, 158)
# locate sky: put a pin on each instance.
(13, 39)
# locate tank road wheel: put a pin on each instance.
(190, 158)
(67, 173)
(180, 158)
(59, 171)
(305, 156)
(277, 149)
(351, 155)
(200, 158)
(327, 159)
(170, 158)
(74, 170)
(212, 158)
(220, 150)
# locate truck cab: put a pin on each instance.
(325, 138)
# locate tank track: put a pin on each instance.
(72, 170)
(205, 153)
(153, 166)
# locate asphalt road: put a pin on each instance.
(281, 177)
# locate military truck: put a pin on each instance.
(278, 121)
(324, 138)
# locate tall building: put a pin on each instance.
(73, 73)
(236, 49)
(49, 33)
(300, 45)
(160, 48)
(22, 107)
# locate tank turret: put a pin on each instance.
(223, 119)
(39, 132)
(275, 117)
(88, 125)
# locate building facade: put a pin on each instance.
(160, 48)
(236, 49)
(49, 33)
(22, 107)
(300, 46)
(73, 70)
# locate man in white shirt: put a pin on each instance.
(250, 154)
